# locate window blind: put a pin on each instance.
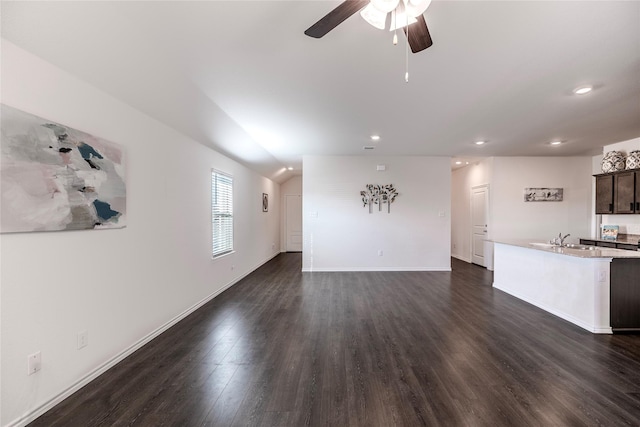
(221, 213)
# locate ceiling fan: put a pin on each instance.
(392, 14)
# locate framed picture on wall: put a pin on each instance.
(543, 194)
(265, 202)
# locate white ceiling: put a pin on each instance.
(242, 77)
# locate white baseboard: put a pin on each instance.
(565, 316)
(40, 410)
(347, 269)
(462, 258)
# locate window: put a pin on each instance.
(221, 213)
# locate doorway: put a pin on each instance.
(293, 222)
(479, 215)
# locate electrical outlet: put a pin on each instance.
(83, 339)
(34, 363)
(602, 276)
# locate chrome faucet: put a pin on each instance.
(559, 241)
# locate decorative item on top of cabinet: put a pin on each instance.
(633, 160)
(613, 161)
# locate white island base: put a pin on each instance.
(573, 288)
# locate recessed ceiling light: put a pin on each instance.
(458, 162)
(375, 137)
(582, 90)
(466, 163)
(555, 142)
(480, 142)
(290, 168)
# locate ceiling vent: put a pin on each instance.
(368, 147)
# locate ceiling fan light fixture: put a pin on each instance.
(400, 20)
(385, 6)
(374, 17)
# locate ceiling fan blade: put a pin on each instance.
(419, 37)
(335, 17)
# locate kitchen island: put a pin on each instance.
(595, 288)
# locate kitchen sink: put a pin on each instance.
(580, 247)
(567, 246)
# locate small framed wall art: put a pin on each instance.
(265, 202)
(543, 194)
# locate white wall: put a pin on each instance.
(513, 218)
(629, 224)
(625, 146)
(340, 234)
(292, 186)
(462, 181)
(120, 285)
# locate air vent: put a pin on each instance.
(368, 147)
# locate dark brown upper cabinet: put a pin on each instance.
(618, 192)
(604, 194)
(624, 193)
(638, 192)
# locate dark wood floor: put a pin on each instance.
(287, 348)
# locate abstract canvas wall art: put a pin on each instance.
(53, 177)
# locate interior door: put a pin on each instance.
(293, 222)
(479, 214)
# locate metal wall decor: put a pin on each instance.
(379, 195)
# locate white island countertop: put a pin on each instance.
(596, 252)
